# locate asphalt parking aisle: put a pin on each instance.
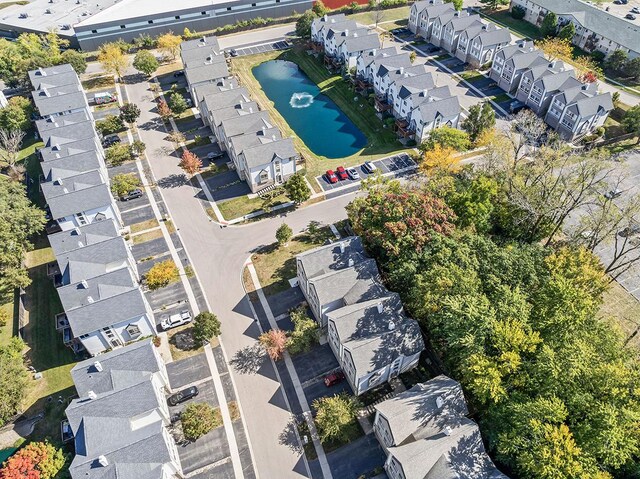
(254, 49)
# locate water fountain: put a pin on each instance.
(301, 100)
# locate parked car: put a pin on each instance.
(233, 52)
(612, 194)
(369, 167)
(215, 155)
(342, 173)
(179, 73)
(110, 140)
(515, 106)
(183, 395)
(331, 177)
(102, 98)
(175, 320)
(635, 10)
(630, 16)
(132, 195)
(630, 230)
(353, 173)
(333, 378)
(432, 49)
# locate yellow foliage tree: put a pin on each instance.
(169, 44)
(556, 48)
(440, 158)
(112, 59)
(485, 138)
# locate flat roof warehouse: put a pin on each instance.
(87, 25)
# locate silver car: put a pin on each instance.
(353, 173)
(175, 320)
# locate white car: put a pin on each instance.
(353, 173)
(175, 320)
(369, 167)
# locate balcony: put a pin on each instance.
(317, 47)
(382, 105)
(403, 129)
(362, 84)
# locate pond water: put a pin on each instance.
(313, 116)
(6, 453)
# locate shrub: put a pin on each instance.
(177, 103)
(597, 56)
(118, 154)
(283, 234)
(198, 419)
(124, 183)
(157, 341)
(206, 325)
(305, 332)
(129, 112)
(161, 275)
(334, 416)
(297, 189)
(111, 124)
(518, 12)
(4, 318)
(274, 343)
(138, 147)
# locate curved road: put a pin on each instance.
(218, 256)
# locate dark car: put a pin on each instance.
(108, 141)
(630, 16)
(331, 177)
(233, 52)
(333, 378)
(214, 156)
(631, 230)
(432, 49)
(179, 73)
(342, 173)
(137, 193)
(182, 396)
(612, 194)
(516, 106)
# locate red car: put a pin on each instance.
(333, 378)
(331, 177)
(342, 173)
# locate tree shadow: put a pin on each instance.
(289, 437)
(184, 341)
(173, 181)
(248, 360)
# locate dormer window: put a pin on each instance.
(134, 331)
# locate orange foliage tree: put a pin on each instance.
(274, 343)
(190, 163)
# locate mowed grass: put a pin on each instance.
(380, 141)
(243, 205)
(520, 28)
(393, 14)
(276, 265)
(624, 309)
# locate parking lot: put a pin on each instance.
(392, 165)
(267, 47)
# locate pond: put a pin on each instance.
(6, 453)
(313, 116)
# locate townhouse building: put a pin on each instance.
(539, 84)
(422, 430)
(272, 162)
(387, 79)
(423, 13)
(219, 100)
(337, 36)
(596, 29)
(119, 422)
(320, 26)
(210, 69)
(365, 65)
(405, 86)
(203, 89)
(382, 67)
(451, 30)
(478, 43)
(512, 61)
(439, 108)
(354, 46)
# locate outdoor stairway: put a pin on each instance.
(266, 190)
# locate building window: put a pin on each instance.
(253, 4)
(264, 176)
(203, 13)
(177, 17)
(94, 31)
(228, 9)
(82, 219)
(150, 22)
(123, 26)
(134, 331)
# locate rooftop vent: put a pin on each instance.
(90, 299)
(56, 147)
(379, 306)
(58, 181)
(326, 17)
(439, 402)
(23, 15)
(48, 10)
(350, 262)
(84, 284)
(98, 366)
(103, 461)
(342, 247)
(447, 431)
(391, 326)
(273, 137)
(250, 109)
(92, 395)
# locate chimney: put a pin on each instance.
(346, 32)
(90, 299)
(273, 137)
(98, 366)
(342, 247)
(42, 72)
(374, 51)
(92, 395)
(379, 305)
(391, 326)
(264, 129)
(401, 70)
(355, 35)
(447, 431)
(351, 263)
(439, 402)
(103, 461)
(326, 17)
(76, 231)
(250, 109)
(84, 284)
(425, 92)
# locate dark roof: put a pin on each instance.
(222, 84)
(332, 257)
(75, 238)
(70, 165)
(265, 153)
(93, 260)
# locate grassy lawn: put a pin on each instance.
(182, 345)
(244, 205)
(501, 97)
(518, 27)
(352, 432)
(6, 331)
(381, 141)
(98, 82)
(148, 236)
(472, 76)
(368, 18)
(214, 170)
(395, 24)
(276, 265)
(46, 352)
(144, 225)
(8, 4)
(624, 309)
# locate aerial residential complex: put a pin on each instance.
(87, 25)
(95, 273)
(596, 29)
(256, 148)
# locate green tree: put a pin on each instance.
(75, 59)
(567, 32)
(297, 189)
(457, 4)
(13, 379)
(447, 137)
(129, 113)
(198, 419)
(162, 274)
(109, 125)
(145, 62)
(631, 121)
(206, 325)
(335, 415)
(549, 25)
(518, 12)
(138, 147)
(494, 4)
(118, 154)
(319, 8)
(632, 68)
(124, 183)
(305, 332)
(283, 234)
(177, 103)
(17, 114)
(616, 61)
(481, 118)
(20, 222)
(472, 200)
(303, 24)
(113, 59)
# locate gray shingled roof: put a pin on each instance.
(528, 60)
(385, 65)
(415, 409)
(194, 58)
(369, 57)
(70, 165)
(41, 73)
(233, 111)
(246, 124)
(263, 154)
(414, 84)
(222, 84)
(446, 107)
(121, 368)
(224, 99)
(435, 10)
(59, 99)
(495, 36)
(375, 338)
(333, 29)
(249, 140)
(461, 22)
(48, 124)
(93, 260)
(206, 72)
(69, 133)
(70, 148)
(589, 105)
(422, 96)
(597, 20)
(52, 81)
(554, 80)
(205, 41)
(360, 43)
(75, 238)
(327, 20)
(327, 258)
(86, 199)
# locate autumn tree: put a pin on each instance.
(169, 44)
(494, 4)
(198, 419)
(162, 274)
(145, 62)
(13, 378)
(297, 189)
(206, 325)
(319, 8)
(335, 415)
(556, 48)
(112, 59)
(283, 234)
(480, 119)
(117, 154)
(163, 110)
(439, 158)
(274, 343)
(190, 163)
(39, 460)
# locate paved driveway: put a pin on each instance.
(261, 48)
(226, 186)
(188, 371)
